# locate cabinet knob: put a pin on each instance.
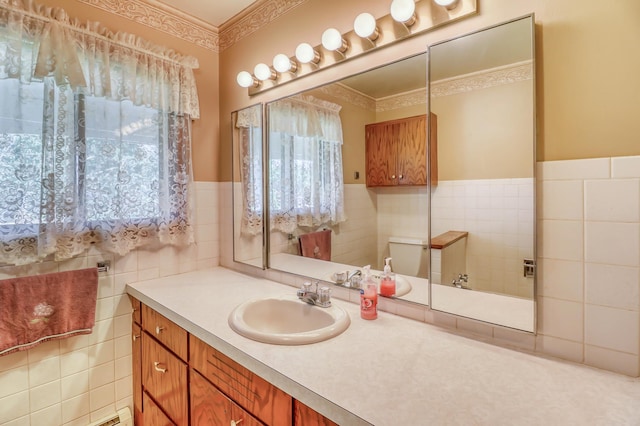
(235, 422)
(159, 328)
(400, 176)
(393, 176)
(159, 367)
(136, 337)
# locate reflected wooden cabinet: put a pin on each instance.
(180, 380)
(396, 152)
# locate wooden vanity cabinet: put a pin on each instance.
(396, 152)
(180, 380)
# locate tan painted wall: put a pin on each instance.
(480, 142)
(587, 66)
(205, 134)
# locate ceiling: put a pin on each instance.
(214, 12)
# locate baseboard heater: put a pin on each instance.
(121, 418)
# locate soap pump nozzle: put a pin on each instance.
(387, 266)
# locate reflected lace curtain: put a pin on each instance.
(305, 164)
(249, 124)
(94, 138)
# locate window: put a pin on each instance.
(94, 141)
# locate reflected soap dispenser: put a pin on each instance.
(368, 296)
(388, 282)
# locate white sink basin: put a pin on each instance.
(286, 320)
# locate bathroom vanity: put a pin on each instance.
(384, 372)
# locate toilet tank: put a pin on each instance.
(409, 256)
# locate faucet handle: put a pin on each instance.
(324, 296)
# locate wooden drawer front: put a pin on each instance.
(168, 333)
(137, 368)
(153, 416)
(210, 407)
(265, 401)
(137, 310)
(305, 416)
(164, 376)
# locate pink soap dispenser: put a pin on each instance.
(388, 283)
(368, 296)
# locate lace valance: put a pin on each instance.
(38, 41)
(306, 116)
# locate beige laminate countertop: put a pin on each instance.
(395, 371)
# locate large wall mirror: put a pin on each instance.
(346, 165)
(248, 186)
(482, 89)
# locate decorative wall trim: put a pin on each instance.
(403, 100)
(484, 79)
(252, 18)
(162, 18)
(347, 94)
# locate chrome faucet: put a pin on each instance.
(318, 297)
(458, 281)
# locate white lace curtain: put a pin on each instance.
(249, 125)
(305, 164)
(94, 138)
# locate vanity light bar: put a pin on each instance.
(406, 19)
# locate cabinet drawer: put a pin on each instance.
(153, 416)
(164, 377)
(260, 398)
(168, 333)
(211, 407)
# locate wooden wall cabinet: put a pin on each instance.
(396, 152)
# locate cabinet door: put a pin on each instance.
(136, 356)
(305, 416)
(153, 415)
(210, 407)
(381, 155)
(164, 377)
(412, 151)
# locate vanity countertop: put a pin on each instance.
(395, 371)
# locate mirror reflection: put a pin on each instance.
(482, 208)
(342, 194)
(248, 198)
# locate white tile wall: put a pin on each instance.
(81, 379)
(498, 214)
(589, 299)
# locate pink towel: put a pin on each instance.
(316, 244)
(46, 307)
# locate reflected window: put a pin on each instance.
(305, 164)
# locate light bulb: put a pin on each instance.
(403, 11)
(282, 63)
(449, 4)
(332, 40)
(305, 53)
(245, 79)
(263, 72)
(365, 26)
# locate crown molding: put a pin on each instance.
(162, 18)
(252, 18)
(518, 71)
(349, 95)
